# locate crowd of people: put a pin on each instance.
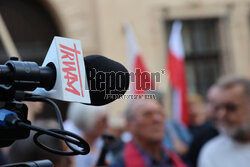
(218, 134)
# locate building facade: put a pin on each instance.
(216, 34)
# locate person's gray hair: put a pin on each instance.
(85, 116)
(133, 104)
(229, 81)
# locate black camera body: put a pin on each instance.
(9, 134)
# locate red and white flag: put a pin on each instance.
(177, 73)
(141, 78)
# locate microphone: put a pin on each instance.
(101, 82)
(63, 75)
(107, 79)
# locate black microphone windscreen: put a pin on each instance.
(107, 79)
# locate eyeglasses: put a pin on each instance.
(230, 107)
(151, 114)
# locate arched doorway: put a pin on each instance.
(32, 29)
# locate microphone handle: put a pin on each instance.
(101, 159)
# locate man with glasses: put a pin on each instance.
(232, 147)
(146, 121)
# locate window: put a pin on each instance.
(202, 49)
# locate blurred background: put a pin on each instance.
(215, 34)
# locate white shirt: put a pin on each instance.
(223, 151)
(70, 126)
(90, 159)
